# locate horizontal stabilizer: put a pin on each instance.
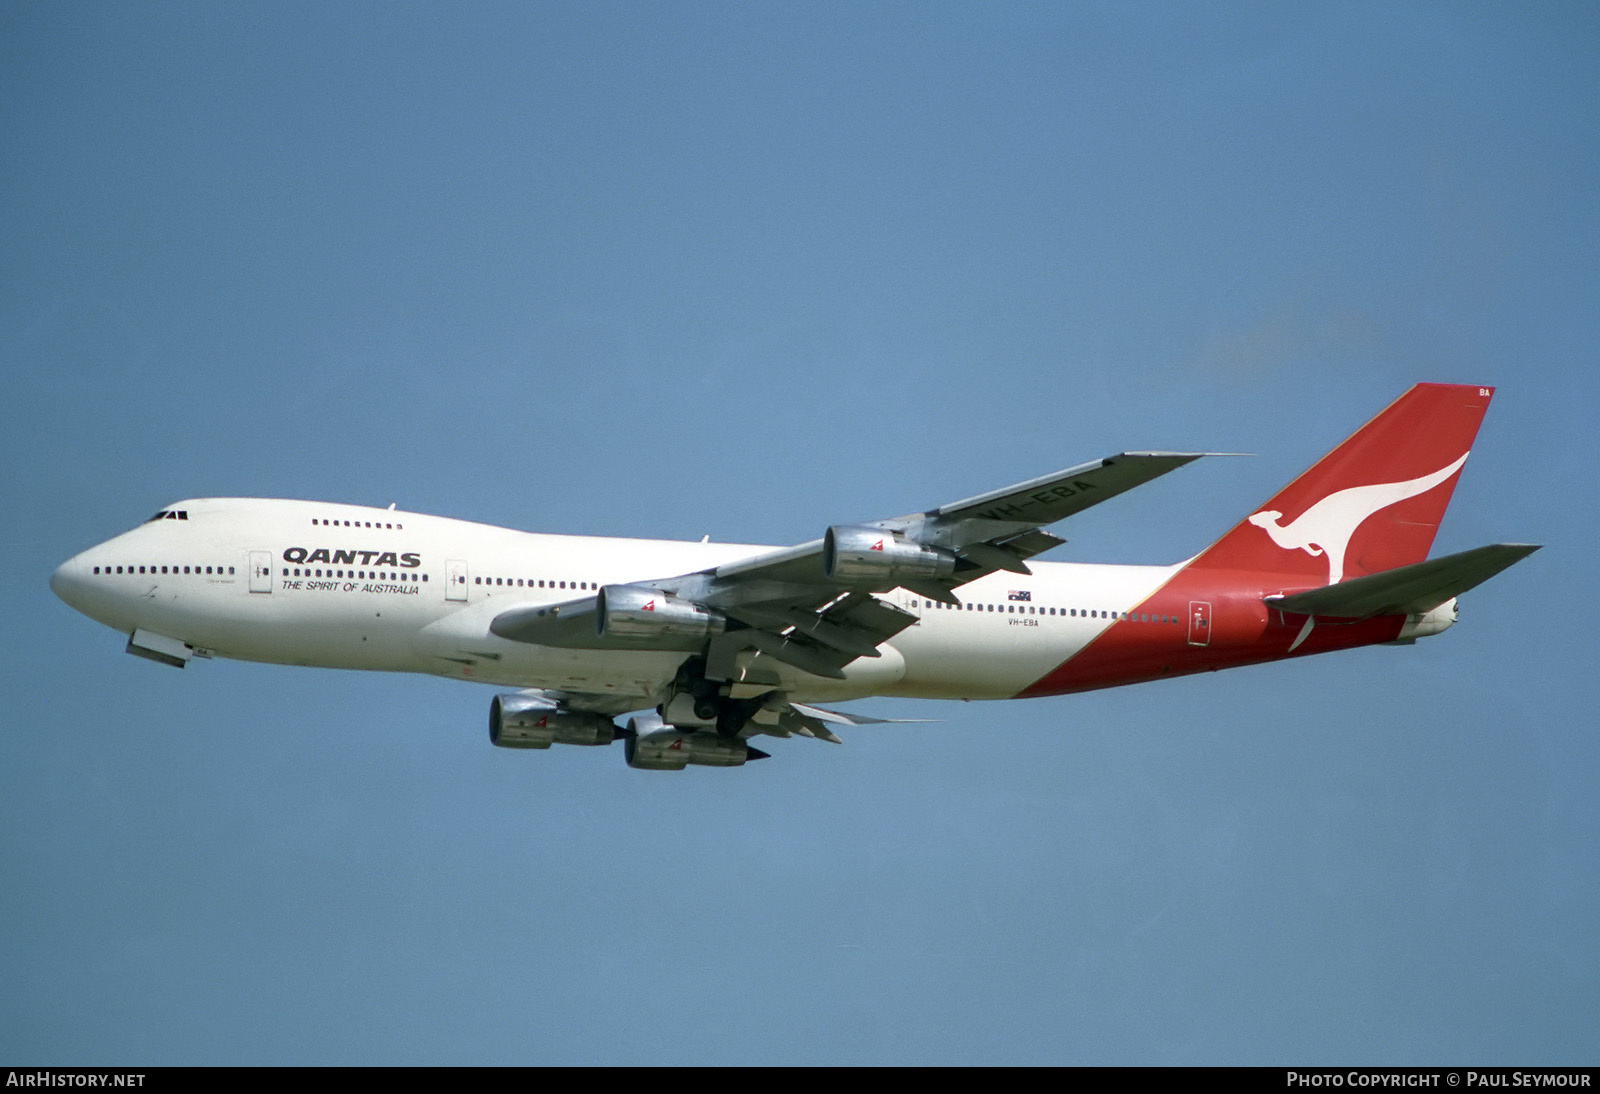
(810, 721)
(839, 717)
(1405, 590)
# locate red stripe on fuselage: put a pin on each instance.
(1239, 630)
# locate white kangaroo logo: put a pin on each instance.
(1327, 526)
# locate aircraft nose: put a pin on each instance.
(67, 581)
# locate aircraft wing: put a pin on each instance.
(1048, 498)
(992, 531)
(813, 606)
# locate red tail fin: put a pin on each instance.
(1371, 504)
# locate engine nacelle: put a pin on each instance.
(853, 553)
(650, 619)
(533, 721)
(669, 749)
(1432, 622)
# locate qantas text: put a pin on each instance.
(336, 557)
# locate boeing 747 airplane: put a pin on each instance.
(717, 643)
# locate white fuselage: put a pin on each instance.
(345, 586)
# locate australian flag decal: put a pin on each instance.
(1020, 594)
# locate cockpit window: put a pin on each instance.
(170, 514)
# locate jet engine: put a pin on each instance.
(520, 720)
(648, 618)
(651, 746)
(852, 553)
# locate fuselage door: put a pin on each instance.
(1199, 623)
(455, 586)
(261, 571)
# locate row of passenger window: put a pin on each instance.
(358, 575)
(1013, 609)
(530, 583)
(320, 522)
(219, 570)
(1031, 609)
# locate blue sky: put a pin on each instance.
(747, 271)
